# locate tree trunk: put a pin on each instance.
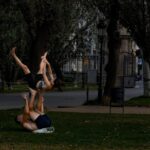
(38, 47)
(114, 48)
(146, 77)
(111, 68)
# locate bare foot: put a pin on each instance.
(24, 96)
(44, 56)
(13, 51)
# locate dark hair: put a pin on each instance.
(40, 85)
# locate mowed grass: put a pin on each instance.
(66, 87)
(139, 101)
(78, 131)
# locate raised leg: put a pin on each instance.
(42, 64)
(32, 99)
(49, 82)
(26, 114)
(40, 104)
(18, 61)
(26, 109)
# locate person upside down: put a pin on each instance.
(43, 80)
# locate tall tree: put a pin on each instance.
(43, 25)
(50, 25)
(110, 9)
(12, 32)
(114, 43)
(135, 16)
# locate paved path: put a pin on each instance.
(55, 99)
(132, 92)
(72, 101)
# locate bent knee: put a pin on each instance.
(49, 87)
(29, 126)
(25, 125)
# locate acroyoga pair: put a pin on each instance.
(33, 117)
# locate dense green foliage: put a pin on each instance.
(37, 26)
(12, 32)
(136, 19)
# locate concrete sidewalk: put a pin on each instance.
(56, 99)
(102, 109)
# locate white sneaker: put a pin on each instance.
(50, 129)
(45, 130)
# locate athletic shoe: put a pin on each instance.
(45, 130)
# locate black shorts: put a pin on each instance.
(32, 80)
(43, 121)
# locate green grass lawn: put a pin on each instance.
(66, 87)
(77, 131)
(139, 101)
(16, 88)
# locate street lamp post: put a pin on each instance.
(100, 27)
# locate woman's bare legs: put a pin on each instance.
(34, 92)
(42, 70)
(33, 115)
(49, 83)
(26, 109)
(40, 104)
(23, 66)
(42, 64)
(26, 123)
(50, 73)
(18, 61)
(32, 98)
